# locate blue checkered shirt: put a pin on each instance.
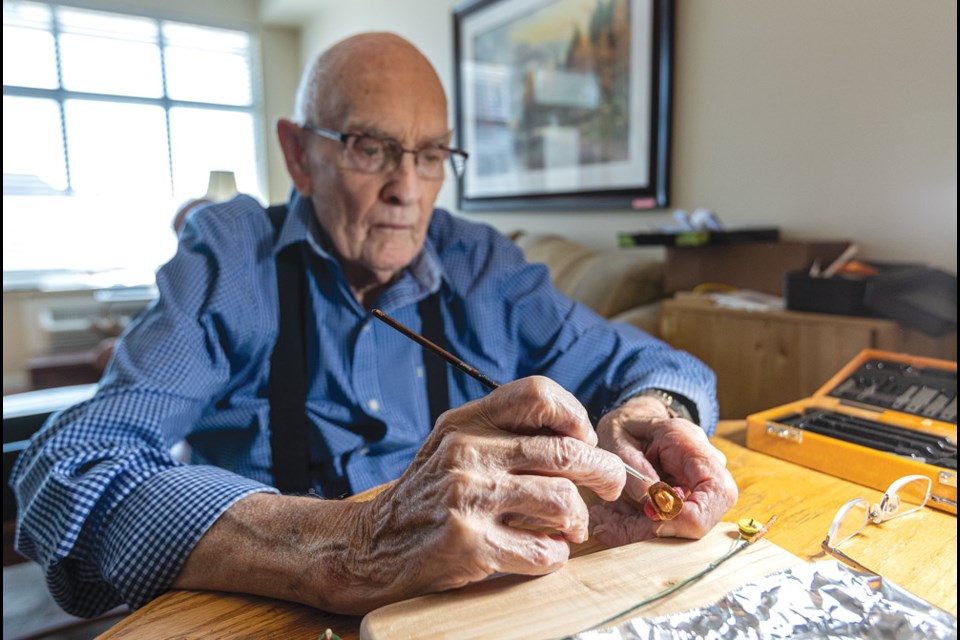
(112, 515)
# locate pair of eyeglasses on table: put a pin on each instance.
(905, 496)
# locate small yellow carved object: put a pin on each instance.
(665, 502)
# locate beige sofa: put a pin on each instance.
(624, 285)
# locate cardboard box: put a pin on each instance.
(883, 416)
(759, 266)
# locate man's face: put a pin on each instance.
(378, 221)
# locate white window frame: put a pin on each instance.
(60, 95)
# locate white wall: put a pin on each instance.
(828, 119)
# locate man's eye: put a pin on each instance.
(369, 148)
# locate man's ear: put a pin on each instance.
(290, 136)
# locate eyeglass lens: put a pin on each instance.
(851, 519)
(904, 496)
(374, 155)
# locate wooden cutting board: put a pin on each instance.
(587, 590)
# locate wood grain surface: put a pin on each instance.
(587, 591)
(918, 552)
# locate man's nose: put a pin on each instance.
(403, 183)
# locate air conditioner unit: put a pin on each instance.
(70, 328)
(79, 324)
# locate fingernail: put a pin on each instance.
(665, 530)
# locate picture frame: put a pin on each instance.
(563, 104)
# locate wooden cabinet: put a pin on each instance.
(766, 358)
(64, 369)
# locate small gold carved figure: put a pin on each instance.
(665, 502)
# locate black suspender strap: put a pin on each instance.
(438, 392)
(289, 425)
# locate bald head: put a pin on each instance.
(368, 66)
(372, 87)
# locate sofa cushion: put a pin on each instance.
(646, 317)
(609, 281)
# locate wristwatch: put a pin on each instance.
(675, 408)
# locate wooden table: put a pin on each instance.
(918, 552)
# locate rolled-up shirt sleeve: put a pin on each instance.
(602, 363)
(112, 521)
(103, 506)
(620, 361)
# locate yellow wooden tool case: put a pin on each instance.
(883, 416)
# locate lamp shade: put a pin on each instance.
(221, 186)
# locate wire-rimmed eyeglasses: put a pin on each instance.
(373, 154)
(904, 496)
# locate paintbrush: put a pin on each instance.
(665, 500)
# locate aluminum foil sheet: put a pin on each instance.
(819, 600)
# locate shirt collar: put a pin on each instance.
(296, 224)
(301, 226)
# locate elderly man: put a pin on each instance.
(112, 516)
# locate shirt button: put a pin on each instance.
(419, 372)
(366, 328)
(373, 405)
(362, 451)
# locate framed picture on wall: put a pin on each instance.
(563, 104)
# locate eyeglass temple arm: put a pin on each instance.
(840, 555)
(946, 501)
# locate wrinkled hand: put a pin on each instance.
(490, 478)
(673, 450)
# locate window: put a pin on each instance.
(110, 122)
